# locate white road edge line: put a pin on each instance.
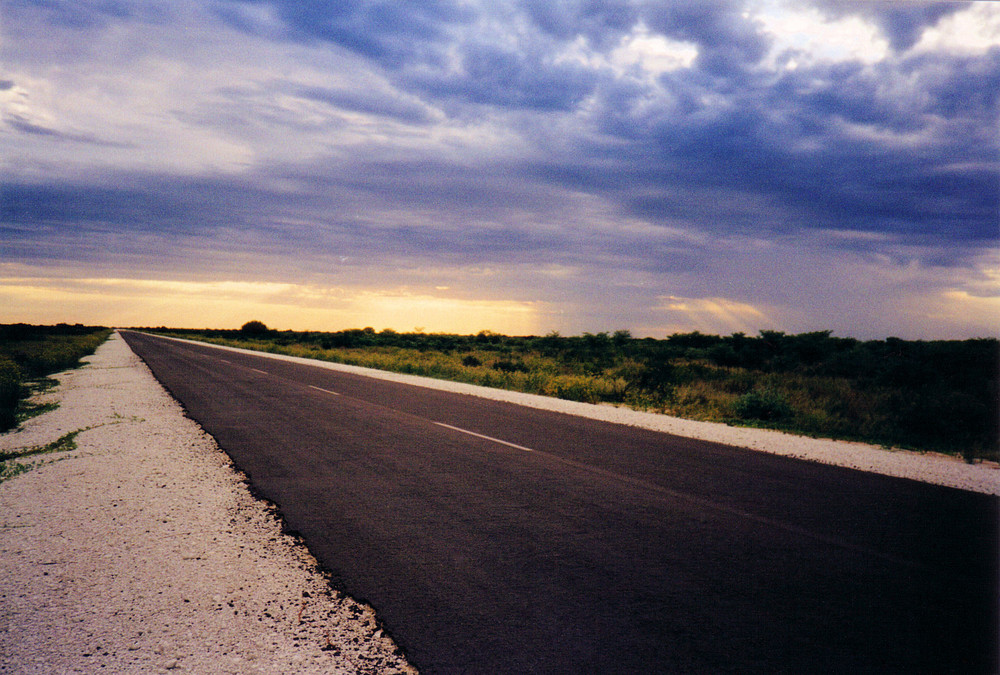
(327, 391)
(488, 438)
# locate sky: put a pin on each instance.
(523, 167)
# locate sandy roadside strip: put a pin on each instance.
(927, 467)
(143, 551)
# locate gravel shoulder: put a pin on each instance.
(143, 550)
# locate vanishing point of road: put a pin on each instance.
(493, 538)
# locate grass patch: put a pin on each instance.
(938, 396)
(9, 470)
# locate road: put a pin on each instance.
(493, 538)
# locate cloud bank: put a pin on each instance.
(610, 164)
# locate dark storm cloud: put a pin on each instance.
(355, 213)
(91, 13)
(508, 79)
(603, 23)
(433, 210)
(182, 205)
(787, 144)
(795, 141)
(160, 225)
(29, 128)
(729, 41)
(418, 41)
(527, 132)
(391, 31)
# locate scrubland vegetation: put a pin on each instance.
(29, 353)
(924, 395)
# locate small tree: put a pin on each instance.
(254, 328)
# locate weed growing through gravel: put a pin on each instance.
(10, 466)
(10, 460)
(28, 408)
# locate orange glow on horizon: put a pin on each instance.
(119, 302)
(229, 304)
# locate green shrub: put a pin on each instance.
(507, 366)
(766, 405)
(657, 376)
(575, 388)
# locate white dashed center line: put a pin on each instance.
(259, 371)
(488, 438)
(326, 391)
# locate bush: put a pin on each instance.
(766, 405)
(506, 366)
(254, 328)
(10, 393)
(471, 361)
(658, 377)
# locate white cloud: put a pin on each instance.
(653, 53)
(187, 96)
(805, 36)
(641, 54)
(885, 137)
(969, 32)
(16, 104)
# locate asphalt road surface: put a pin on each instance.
(492, 538)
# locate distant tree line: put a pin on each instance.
(893, 361)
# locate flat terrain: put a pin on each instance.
(491, 537)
